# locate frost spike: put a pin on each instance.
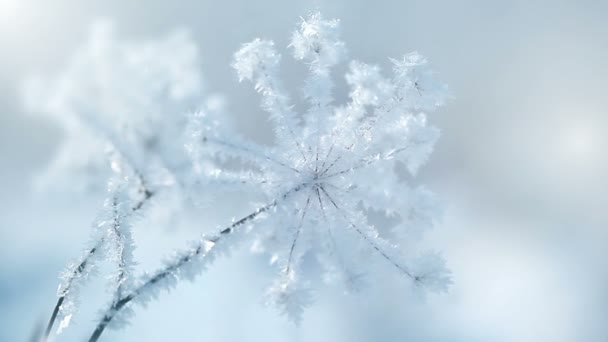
(258, 62)
(204, 248)
(83, 264)
(317, 42)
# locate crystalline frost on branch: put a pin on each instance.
(111, 239)
(331, 166)
(334, 162)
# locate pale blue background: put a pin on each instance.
(521, 164)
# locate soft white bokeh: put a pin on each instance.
(521, 165)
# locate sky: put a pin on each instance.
(520, 166)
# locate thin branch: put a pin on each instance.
(352, 168)
(343, 191)
(297, 235)
(236, 178)
(331, 148)
(321, 204)
(252, 152)
(363, 162)
(83, 264)
(367, 161)
(286, 110)
(330, 165)
(170, 269)
(147, 195)
(173, 267)
(66, 290)
(383, 109)
(334, 246)
(397, 150)
(329, 232)
(369, 241)
(120, 247)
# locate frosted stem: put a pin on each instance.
(171, 268)
(369, 241)
(252, 152)
(78, 271)
(64, 293)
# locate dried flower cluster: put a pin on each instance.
(330, 167)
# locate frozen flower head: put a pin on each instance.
(129, 96)
(334, 164)
(317, 41)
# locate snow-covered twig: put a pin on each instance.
(168, 275)
(331, 165)
(87, 262)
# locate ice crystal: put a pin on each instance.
(334, 162)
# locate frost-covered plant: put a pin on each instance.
(122, 108)
(330, 168)
(334, 163)
(127, 96)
